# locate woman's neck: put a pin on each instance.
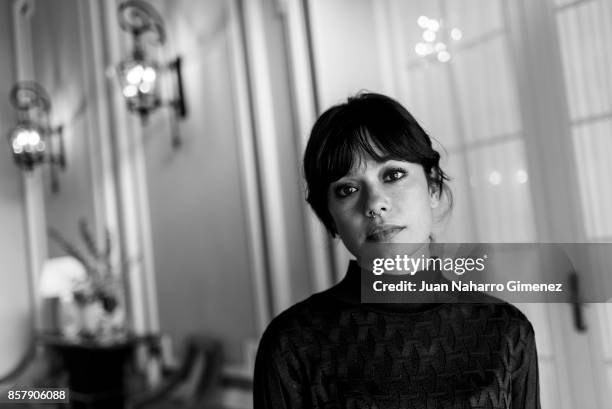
(395, 258)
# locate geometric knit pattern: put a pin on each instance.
(331, 351)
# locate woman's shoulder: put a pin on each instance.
(300, 319)
(493, 310)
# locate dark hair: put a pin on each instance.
(366, 125)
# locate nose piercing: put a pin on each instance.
(372, 214)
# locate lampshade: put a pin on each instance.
(59, 275)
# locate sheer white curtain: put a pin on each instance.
(585, 33)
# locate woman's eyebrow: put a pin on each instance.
(396, 160)
(387, 158)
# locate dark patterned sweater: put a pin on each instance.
(331, 351)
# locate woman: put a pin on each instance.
(373, 177)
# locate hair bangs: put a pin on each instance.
(352, 147)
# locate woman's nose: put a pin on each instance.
(376, 202)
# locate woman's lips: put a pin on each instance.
(383, 233)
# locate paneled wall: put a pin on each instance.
(197, 194)
(197, 220)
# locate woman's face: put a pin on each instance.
(382, 202)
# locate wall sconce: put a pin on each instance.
(33, 140)
(139, 75)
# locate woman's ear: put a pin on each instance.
(434, 188)
(434, 197)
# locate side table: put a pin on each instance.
(96, 371)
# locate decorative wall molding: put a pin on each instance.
(35, 216)
(303, 91)
(267, 150)
(99, 136)
(248, 167)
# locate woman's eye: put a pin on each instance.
(345, 190)
(395, 174)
